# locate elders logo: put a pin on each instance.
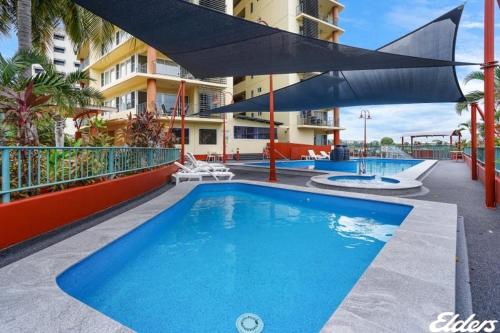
(447, 322)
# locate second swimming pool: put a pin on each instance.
(374, 166)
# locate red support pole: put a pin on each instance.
(272, 156)
(183, 115)
(473, 133)
(489, 102)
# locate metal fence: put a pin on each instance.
(434, 152)
(30, 168)
(480, 155)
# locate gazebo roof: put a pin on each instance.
(431, 133)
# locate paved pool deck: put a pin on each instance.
(413, 276)
(450, 182)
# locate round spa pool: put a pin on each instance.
(364, 180)
(371, 184)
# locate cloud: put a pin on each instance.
(394, 120)
(415, 13)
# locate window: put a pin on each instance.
(127, 101)
(59, 62)
(251, 93)
(38, 70)
(59, 37)
(77, 65)
(251, 7)
(208, 136)
(59, 49)
(253, 133)
(259, 89)
(177, 135)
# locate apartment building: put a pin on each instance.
(311, 18)
(135, 78)
(62, 53)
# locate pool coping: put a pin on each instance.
(412, 173)
(407, 285)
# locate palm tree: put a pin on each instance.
(24, 100)
(477, 95)
(37, 30)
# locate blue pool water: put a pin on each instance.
(364, 179)
(374, 166)
(227, 249)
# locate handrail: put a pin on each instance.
(29, 168)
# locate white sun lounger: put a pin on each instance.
(198, 173)
(202, 164)
(313, 156)
(324, 155)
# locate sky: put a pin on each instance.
(371, 24)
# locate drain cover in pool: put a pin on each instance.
(249, 323)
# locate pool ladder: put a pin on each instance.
(362, 166)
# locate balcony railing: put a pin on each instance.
(173, 69)
(170, 69)
(480, 155)
(84, 63)
(164, 110)
(326, 18)
(29, 168)
(314, 121)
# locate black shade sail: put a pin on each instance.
(435, 40)
(209, 43)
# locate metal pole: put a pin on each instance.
(5, 175)
(224, 143)
(365, 146)
(489, 102)
(473, 133)
(224, 159)
(183, 114)
(272, 157)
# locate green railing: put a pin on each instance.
(480, 155)
(30, 168)
(428, 151)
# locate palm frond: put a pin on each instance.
(7, 16)
(476, 75)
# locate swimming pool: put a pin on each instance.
(374, 166)
(226, 249)
(364, 180)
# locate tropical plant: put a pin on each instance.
(478, 95)
(35, 22)
(145, 130)
(26, 99)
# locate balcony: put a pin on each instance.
(317, 20)
(192, 111)
(328, 18)
(316, 119)
(84, 63)
(170, 68)
(219, 5)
